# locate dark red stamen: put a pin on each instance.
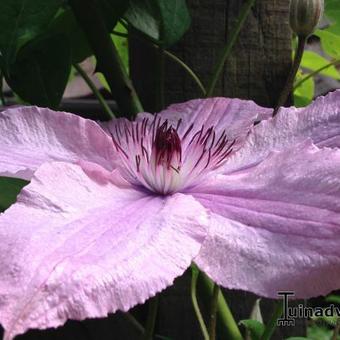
(188, 131)
(118, 147)
(167, 145)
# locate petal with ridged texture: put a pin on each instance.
(320, 121)
(76, 246)
(235, 116)
(31, 136)
(276, 226)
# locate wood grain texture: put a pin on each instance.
(256, 69)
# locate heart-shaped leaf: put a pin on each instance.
(255, 328)
(41, 70)
(21, 21)
(162, 20)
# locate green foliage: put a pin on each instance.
(333, 299)
(327, 320)
(332, 12)
(319, 332)
(303, 94)
(41, 70)
(330, 43)
(254, 327)
(315, 62)
(21, 21)
(65, 24)
(162, 20)
(39, 40)
(121, 44)
(9, 190)
(112, 10)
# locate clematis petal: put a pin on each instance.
(276, 226)
(235, 116)
(319, 121)
(76, 246)
(31, 136)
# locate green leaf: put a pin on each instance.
(121, 44)
(297, 338)
(316, 332)
(162, 20)
(333, 298)
(332, 11)
(65, 24)
(144, 16)
(9, 190)
(175, 20)
(314, 62)
(330, 320)
(304, 94)
(41, 70)
(255, 328)
(21, 21)
(330, 43)
(112, 10)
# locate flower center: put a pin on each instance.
(167, 147)
(164, 158)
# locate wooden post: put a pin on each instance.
(256, 70)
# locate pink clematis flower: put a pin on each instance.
(114, 213)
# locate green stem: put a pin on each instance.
(129, 317)
(272, 324)
(194, 276)
(95, 91)
(224, 316)
(319, 70)
(228, 47)
(291, 76)
(213, 312)
(151, 320)
(90, 19)
(192, 74)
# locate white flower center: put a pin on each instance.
(156, 156)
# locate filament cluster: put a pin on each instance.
(156, 155)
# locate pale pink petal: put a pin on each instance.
(276, 226)
(74, 247)
(30, 136)
(235, 116)
(103, 176)
(319, 121)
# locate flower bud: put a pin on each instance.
(305, 16)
